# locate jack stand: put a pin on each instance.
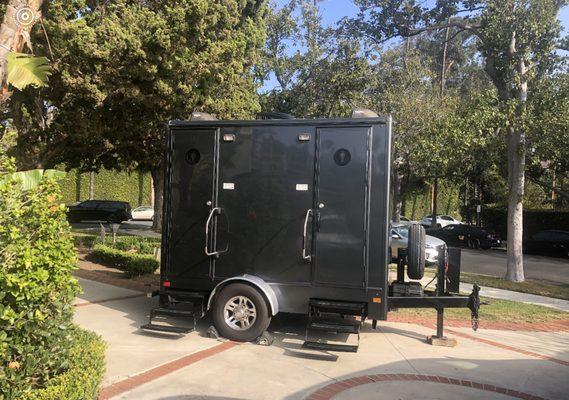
(266, 339)
(439, 339)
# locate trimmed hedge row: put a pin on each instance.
(495, 219)
(133, 264)
(140, 244)
(82, 378)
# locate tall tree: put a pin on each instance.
(516, 39)
(318, 73)
(124, 68)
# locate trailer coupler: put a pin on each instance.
(474, 306)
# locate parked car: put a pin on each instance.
(99, 210)
(466, 235)
(441, 221)
(549, 243)
(400, 239)
(144, 213)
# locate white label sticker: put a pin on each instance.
(302, 187)
(228, 186)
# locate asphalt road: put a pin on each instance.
(490, 262)
(493, 262)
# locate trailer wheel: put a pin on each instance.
(240, 313)
(416, 252)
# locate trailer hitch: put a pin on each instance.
(474, 306)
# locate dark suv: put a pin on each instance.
(99, 210)
(466, 235)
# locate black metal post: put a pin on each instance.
(441, 281)
(401, 261)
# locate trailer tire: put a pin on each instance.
(416, 252)
(240, 313)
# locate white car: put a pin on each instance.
(441, 221)
(143, 213)
(400, 239)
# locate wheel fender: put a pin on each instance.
(257, 282)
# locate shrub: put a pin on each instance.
(132, 264)
(139, 244)
(84, 240)
(36, 287)
(84, 374)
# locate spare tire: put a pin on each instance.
(416, 252)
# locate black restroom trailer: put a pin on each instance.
(281, 215)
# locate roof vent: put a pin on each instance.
(274, 115)
(202, 116)
(363, 113)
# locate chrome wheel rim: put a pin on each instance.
(239, 313)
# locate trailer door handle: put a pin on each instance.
(304, 255)
(215, 210)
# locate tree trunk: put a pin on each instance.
(140, 188)
(78, 186)
(397, 199)
(434, 219)
(516, 148)
(91, 185)
(516, 174)
(12, 33)
(158, 180)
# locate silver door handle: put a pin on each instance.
(304, 255)
(206, 249)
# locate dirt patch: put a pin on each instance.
(112, 276)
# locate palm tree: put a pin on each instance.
(17, 69)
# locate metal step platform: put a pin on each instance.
(166, 328)
(327, 316)
(190, 307)
(334, 325)
(330, 347)
(339, 307)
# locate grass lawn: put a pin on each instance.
(531, 287)
(559, 292)
(496, 311)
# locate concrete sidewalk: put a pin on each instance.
(393, 362)
(502, 294)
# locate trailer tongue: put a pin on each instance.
(285, 216)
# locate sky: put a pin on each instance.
(334, 10)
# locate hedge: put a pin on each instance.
(495, 219)
(133, 264)
(140, 244)
(82, 378)
(109, 185)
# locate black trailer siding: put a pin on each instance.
(261, 180)
(263, 213)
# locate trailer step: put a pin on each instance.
(166, 328)
(175, 311)
(339, 307)
(335, 325)
(330, 347)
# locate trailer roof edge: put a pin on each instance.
(262, 122)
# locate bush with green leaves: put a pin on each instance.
(36, 287)
(133, 264)
(84, 373)
(136, 244)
